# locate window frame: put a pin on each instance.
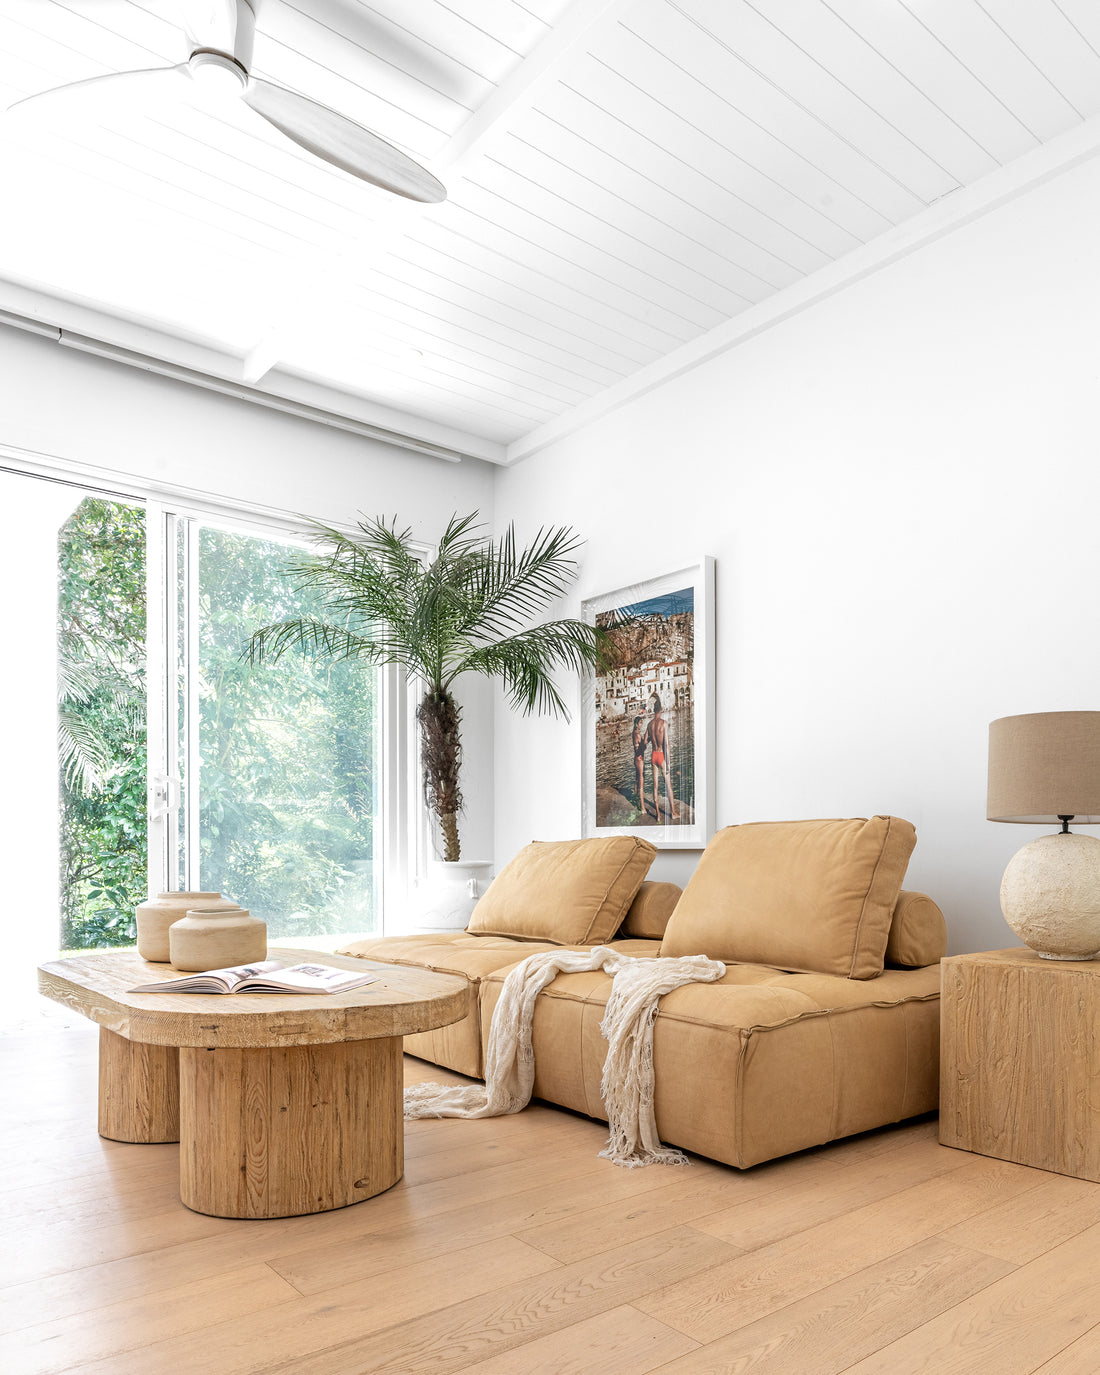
(404, 820)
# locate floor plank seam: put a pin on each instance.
(1049, 1360)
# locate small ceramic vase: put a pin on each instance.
(157, 915)
(214, 938)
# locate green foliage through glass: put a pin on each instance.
(287, 777)
(101, 722)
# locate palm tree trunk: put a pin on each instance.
(440, 757)
(449, 825)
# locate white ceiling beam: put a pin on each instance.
(203, 363)
(263, 356)
(582, 25)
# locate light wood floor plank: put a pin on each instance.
(809, 1200)
(1081, 1357)
(857, 1150)
(1023, 1228)
(621, 1341)
(396, 1243)
(427, 1135)
(511, 1316)
(233, 1299)
(29, 1204)
(63, 1246)
(1011, 1327)
(741, 1291)
(153, 1192)
(686, 1199)
(346, 1244)
(825, 1332)
(296, 1331)
(75, 1148)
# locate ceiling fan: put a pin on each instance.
(220, 33)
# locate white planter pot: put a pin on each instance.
(444, 898)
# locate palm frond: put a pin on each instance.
(77, 679)
(320, 639)
(504, 587)
(84, 757)
(524, 662)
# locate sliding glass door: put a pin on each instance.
(271, 773)
(143, 752)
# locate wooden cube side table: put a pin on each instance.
(1020, 1059)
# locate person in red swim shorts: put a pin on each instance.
(657, 736)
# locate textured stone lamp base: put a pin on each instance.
(1050, 896)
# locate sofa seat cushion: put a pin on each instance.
(473, 956)
(569, 892)
(459, 1046)
(758, 1064)
(810, 896)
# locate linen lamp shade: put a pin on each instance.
(1045, 766)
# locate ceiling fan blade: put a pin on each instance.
(84, 100)
(340, 141)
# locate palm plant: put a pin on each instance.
(469, 609)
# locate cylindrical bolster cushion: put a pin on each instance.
(650, 911)
(918, 932)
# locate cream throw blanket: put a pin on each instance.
(627, 1084)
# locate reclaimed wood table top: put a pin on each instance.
(1021, 955)
(401, 1000)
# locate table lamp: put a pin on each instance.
(1045, 767)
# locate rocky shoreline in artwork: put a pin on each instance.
(616, 773)
(615, 808)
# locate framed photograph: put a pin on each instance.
(648, 723)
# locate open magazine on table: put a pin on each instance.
(269, 976)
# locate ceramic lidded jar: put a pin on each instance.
(158, 914)
(213, 938)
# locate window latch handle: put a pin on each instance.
(164, 796)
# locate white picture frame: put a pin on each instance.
(665, 672)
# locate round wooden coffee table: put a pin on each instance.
(282, 1104)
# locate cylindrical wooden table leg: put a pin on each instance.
(138, 1090)
(277, 1131)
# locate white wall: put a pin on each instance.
(902, 489)
(89, 411)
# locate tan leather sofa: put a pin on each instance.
(826, 1022)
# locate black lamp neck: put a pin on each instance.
(1065, 820)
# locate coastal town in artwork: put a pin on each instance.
(645, 715)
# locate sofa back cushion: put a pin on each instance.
(918, 932)
(811, 896)
(648, 914)
(570, 892)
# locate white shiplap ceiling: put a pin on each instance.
(624, 177)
